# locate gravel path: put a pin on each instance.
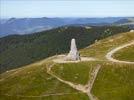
(83, 88)
(61, 59)
(110, 54)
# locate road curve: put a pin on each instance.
(109, 54)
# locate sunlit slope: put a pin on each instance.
(100, 48)
(33, 83)
(115, 81)
(78, 73)
(126, 54)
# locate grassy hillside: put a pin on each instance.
(100, 48)
(69, 72)
(115, 81)
(33, 80)
(71, 96)
(18, 50)
(127, 56)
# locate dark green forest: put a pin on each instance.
(18, 50)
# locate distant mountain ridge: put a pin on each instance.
(125, 21)
(32, 25)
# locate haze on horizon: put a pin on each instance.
(64, 8)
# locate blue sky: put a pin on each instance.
(66, 8)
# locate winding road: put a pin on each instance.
(109, 55)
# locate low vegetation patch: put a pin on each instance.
(114, 82)
(125, 54)
(75, 72)
(73, 96)
(34, 81)
(102, 47)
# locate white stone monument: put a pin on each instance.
(131, 30)
(73, 53)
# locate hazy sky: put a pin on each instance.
(66, 8)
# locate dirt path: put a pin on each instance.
(91, 82)
(109, 54)
(60, 59)
(83, 88)
(77, 87)
(87, 88)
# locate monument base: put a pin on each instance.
(73, 56)
(64, 59)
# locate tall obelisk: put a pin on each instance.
(73, 53)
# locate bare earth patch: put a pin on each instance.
(61, 59)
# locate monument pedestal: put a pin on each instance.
(73, 53)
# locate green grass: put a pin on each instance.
(75, 72)
(34, 81)
(126, 54)
(115, 82)
(78, 96)
(102, 47)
